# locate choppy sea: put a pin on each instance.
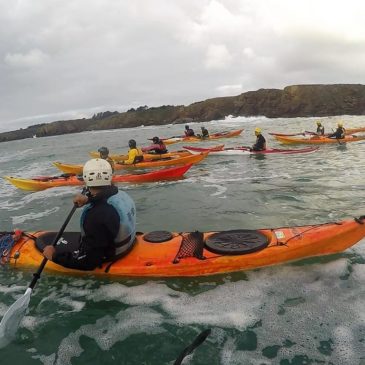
(307, 312)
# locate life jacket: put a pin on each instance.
(161, 149)
(126, 210)
(320, 130)
(139, 156)
(205, 133)
(189, 133)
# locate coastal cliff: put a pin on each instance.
(292, 101)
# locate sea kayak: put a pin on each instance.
(146, 156)
(45, 182)
(308, 133)
(165, 254)
(170, 161)
(211, 137)
(246, 151)
(318, 140)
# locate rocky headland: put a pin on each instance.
(292, 101)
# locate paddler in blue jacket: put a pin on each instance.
(104, 154)
(108, 221)
(339, 133)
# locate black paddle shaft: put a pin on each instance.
(197, 342)
(37, 275)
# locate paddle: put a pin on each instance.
(197, 342)
(338, 140)
(162, 139)
(13, 316)
(47, 178)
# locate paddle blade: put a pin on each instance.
(12, 318)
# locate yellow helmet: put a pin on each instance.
(257, 130)
(340, 124)
(319, 122)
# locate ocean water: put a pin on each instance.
(307, 312)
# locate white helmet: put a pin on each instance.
(97, 172)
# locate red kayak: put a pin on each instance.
(246, 151)
(44, 182)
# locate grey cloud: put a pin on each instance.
(60, 59)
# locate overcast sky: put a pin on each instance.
(68, 59)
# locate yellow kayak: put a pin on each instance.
(146, 156)
(192, 159)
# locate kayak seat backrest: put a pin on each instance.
(69, 241)
(236, 242)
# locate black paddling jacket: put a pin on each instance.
(101, 225)
(260, 143)
(340, 133)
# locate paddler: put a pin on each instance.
(205, 133)
(135, 154)
(189, 132)
(108, 221)
(104, 154)
(157, 147)
(260, 144)
(320, 128)
(339, 133)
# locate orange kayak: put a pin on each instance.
(46, 182)
(317, 139)
(211, 137)
(166, 254)
(347, 131)
(146, 156)
(172, 161)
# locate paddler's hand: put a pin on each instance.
(48, 252)
(80, 200)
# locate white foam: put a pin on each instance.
(106, 332)
(219, 190)
(33, 216)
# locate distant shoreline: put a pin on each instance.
(292, 101)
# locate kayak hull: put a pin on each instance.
(146, 156)
(214, 136)
(46, 183)
(158, 259)
(318, 140)
(347, 131)
(191, 159)
(238, 151)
